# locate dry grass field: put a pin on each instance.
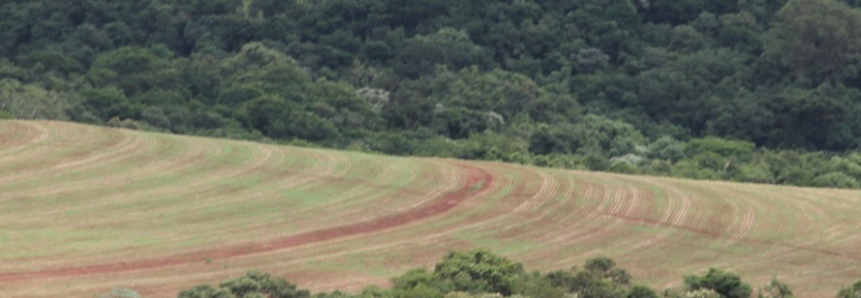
(84, 209)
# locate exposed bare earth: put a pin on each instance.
(84, 209)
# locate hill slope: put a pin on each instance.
(84, 209)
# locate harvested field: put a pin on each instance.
(84, 209)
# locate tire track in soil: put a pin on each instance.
(715, 235)
(671, 217)
(528, 213)
(17, 137)
(121, 150)
(479, 180)
(32, 144)
(495, 217)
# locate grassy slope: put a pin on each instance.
(84, 209)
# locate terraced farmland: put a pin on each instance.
(84, 209)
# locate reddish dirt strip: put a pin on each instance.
(478, 182)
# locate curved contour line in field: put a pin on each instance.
(83, 209)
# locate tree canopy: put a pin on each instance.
(626, 86)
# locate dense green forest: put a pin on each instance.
(482, 274)
(764, 91)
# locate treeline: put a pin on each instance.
(482, 274)
(762, 91)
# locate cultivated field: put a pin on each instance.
(84, 209)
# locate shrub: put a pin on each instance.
(702, 293)
(851, 292)
(253, 284)
(775, 289)
(120, 293)
(725, 148)
(836, 180)
(724, 283)
(641, 292)
(479, 271)
(6, 115)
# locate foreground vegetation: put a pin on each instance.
(755, 91)
(482, 274)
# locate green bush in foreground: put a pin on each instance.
(252, 285)
(120, 293)
(851, 292)
(482, 274)
(724, 283)
(775, 289)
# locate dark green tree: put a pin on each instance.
(819, 40)
(253, 284)
(727, 284)
(641, 292)
(478, 271)
(131, 69)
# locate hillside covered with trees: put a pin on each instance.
(764, 91)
